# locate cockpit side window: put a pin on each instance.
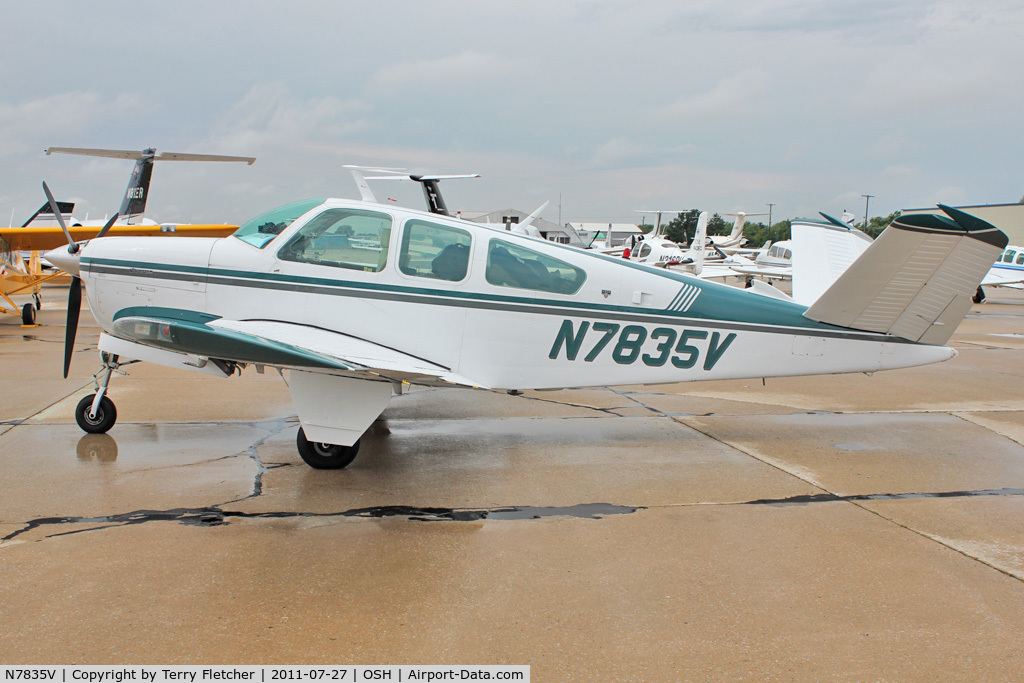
(1020, 258)
(1008, 256)
(261, 230)
(511, 265)
(342, 238)
(434, 251)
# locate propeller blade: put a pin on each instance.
(72, 246)
(107, 227)
(71, 328)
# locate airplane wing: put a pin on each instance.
(1002, 278)
(774, 272)
(278, 344)
(52, 237)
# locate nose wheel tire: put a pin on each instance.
(324, 456)
(106, 415)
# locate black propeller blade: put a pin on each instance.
(71, 328)
(72, 246)
(75, 306)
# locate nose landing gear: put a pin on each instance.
(96, 414)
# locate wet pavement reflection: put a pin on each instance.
(841, 527)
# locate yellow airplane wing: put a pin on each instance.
(45, 238)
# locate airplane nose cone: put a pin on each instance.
(61, 258)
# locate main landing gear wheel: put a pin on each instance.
(102, 421)
(28, 314)
(979, 296)
(323, 456)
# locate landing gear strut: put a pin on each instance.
(324, 456)
(96, 414)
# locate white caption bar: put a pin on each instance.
(261, 674)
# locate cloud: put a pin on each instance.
(59, 117)
(466, 68)
(617, 150)
(725, 98)
(270, 116)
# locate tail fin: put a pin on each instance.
(700, 237)
(737, 227)
(46, 212)
(134, 202)
(822, 252)
(526, 226)
(916, 280)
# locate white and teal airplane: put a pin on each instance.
(1008, 271)
(356, 300)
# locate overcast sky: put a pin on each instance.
(614, 106)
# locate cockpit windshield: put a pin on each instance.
(265, 227)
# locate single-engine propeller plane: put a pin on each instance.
(356, 299)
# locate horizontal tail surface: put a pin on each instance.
(916, 280)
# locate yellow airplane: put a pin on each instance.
(18, 276)
(21, 276)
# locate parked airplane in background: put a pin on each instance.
(18, 276)
(357, 299)
(1008, 271)
(657, 250)
(133, 205)
(735, 240)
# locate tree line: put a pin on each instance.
(682, 228)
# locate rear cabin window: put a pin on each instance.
(342, 238)
(434, 251)
(265, 227)
(510, 265)
(1020, 258)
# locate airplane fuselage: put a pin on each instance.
(585, 320)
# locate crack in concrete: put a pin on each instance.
(834, 497)
(216, 516)
(273, 427)
(827, 495)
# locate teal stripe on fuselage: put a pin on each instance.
(717, 306)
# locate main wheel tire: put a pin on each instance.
(106, 415)
(325, 456)
(28, 314)
(979, 296)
